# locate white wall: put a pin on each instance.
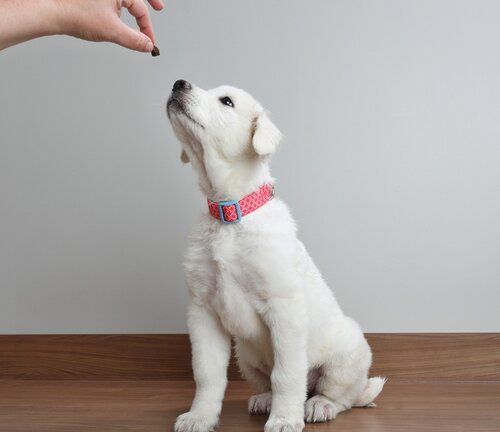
(391, 164)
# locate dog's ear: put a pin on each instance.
(184, 156)
(265, 136)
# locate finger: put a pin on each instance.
(139, 10)
(156, 4)
(131, 38)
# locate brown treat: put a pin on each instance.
(155, 52)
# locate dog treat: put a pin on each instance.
(155, 52)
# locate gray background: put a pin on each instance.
(391, 111)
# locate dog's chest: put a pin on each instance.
(236, 311)
(234, 296)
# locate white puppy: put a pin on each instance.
(253, 280)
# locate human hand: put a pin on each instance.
(93, 20)
(99, 21)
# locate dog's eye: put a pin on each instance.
(227, 101)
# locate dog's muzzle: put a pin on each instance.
(178, 90)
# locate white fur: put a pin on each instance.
(254, 282)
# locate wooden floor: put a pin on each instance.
(152, 406)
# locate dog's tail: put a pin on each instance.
(371, 391)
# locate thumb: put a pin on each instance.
(131, 38)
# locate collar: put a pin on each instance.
(232, 211)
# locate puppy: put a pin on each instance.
(251, 280)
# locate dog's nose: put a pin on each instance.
(181, 85)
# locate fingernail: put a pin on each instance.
(149, 46)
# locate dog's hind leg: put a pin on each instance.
(259, 381)
(259, 403)
(343, 384)
(335, 392)
(247, 359)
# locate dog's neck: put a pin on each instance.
(236, 185)
(221, 179)
(235, 181)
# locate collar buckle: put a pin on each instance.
(229, 203)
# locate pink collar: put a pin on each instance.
(232, 211)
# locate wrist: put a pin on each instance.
(22, 20)
(37, 18)
(55, 13)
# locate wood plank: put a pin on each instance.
(95, 357)
(466, 356)
(446, 356)
(110, 406)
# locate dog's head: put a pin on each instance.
(225, 133)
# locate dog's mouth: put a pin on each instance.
(175, 105)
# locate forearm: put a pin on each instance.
(22, 20)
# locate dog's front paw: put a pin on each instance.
(192, 422)
(260, 403)
(283, 424)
